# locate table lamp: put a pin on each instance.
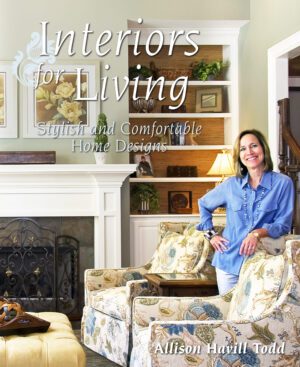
(222, 166)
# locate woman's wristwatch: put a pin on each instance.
(255, 234)
(210, 234)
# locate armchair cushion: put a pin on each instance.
(258, 287)
(165, 227)
(178, 253)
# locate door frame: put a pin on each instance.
(278, 85)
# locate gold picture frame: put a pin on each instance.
(54, 103)
(209, 99)
(8, 102)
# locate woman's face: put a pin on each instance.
(251, 152)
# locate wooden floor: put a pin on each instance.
(94, 359)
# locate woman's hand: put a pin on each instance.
(249, 245)
(219, 243)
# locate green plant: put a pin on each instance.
(143, 72)
(101, 133)
(144, 192)
(203, 70)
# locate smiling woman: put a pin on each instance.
(252, 153)
(259, 203)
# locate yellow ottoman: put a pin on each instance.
(58, 347)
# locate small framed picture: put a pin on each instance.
(180, 202)
(8, 102)
(143, 165)
(209, 100)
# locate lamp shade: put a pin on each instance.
(223, 165)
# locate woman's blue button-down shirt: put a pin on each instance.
(269, 206)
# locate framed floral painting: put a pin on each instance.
(56, 106)
(8, 102)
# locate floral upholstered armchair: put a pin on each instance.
(106, 321)
(256, 324)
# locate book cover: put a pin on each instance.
(111, 117)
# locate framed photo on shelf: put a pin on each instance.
(180, 202)
(53, 104)
(8, 102)
(143, 165)
(209, 100)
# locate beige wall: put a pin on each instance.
(18, 19)
(270, 22)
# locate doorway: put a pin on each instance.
(278, 85)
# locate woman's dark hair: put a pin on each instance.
(239, 168)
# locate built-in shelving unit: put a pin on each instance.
(218, 41)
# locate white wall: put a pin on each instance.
(270, 22)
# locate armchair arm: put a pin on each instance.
(135, 288)
(265, 342)
(96, 279)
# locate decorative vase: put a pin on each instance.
(144, 206)
(100, 157)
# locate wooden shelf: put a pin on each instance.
(217, 41)
(172, 215)
(190, 147)
(176, 179)
(179, 115)
(191, 83)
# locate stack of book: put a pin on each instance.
(182, 171)
(176, 133)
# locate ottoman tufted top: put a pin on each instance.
(58, 347)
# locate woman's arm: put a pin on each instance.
(211, 201)
(280, 225)
(219, 243)
(282, 220)
(207, 204)
(250, 243)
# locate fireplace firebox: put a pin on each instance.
(39, 269)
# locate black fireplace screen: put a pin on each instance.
(38, 268)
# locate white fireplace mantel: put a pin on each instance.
(62, 190)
